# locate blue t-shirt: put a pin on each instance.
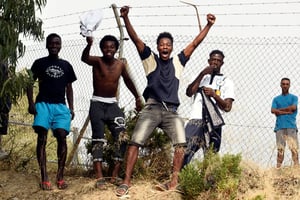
(287, 120)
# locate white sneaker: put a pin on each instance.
(3, 155)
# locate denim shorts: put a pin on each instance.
(157, 115)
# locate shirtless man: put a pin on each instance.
(104, 108)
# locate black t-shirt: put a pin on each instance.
(53, 76)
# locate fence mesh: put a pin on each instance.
(256, 65)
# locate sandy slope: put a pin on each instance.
(271, 184)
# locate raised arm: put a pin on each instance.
(199, 38)
(85, 57)
(131, 32)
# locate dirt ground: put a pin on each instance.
(273, 184)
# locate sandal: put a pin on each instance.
(61, 184)
(164, 187)
(116, 181)
(122, 190)
(101, 184)
(45, 185)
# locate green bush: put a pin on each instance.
(218, 175)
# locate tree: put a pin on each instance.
(17, 18)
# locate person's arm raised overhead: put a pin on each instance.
(130, 30)
(85, 57)
(199, 38)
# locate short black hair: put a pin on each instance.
(50, 37)
(285, 79)
(216, 51)
(164, 35)
(109, 38)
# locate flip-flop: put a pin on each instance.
(61, 184)
(101, 184)
(45, 185)
(179, 189)
(165, 187)
(122, 190)
(162, 187)
(116, 181)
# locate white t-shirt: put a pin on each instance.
(221, 83)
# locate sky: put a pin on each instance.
(234, 17)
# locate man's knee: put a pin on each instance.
(60, 133)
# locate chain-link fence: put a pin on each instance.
(256, 65)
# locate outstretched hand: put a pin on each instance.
(124, 11)
(210, 19)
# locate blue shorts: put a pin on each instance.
(52, 116)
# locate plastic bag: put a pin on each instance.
(89, 22)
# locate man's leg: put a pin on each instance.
(41, 157)
(131, 158)
(98, 169)
(115, 172)
(97, 153)
(62, 150)
(3, 131)
(295, 157)
(280, 143)
(3, 154)
(195, 139)
(193, 145)
(177, 163)
(215, 140)
(292, 141)
(280, 157)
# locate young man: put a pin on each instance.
(284, 107)
(55, 77)
(212, 93)
(161, 94)
(104, 108)
(5, 106)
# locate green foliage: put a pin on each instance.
(219, 175)
(16, 18)
(20, 142)
(14, 86)
(259, 197)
